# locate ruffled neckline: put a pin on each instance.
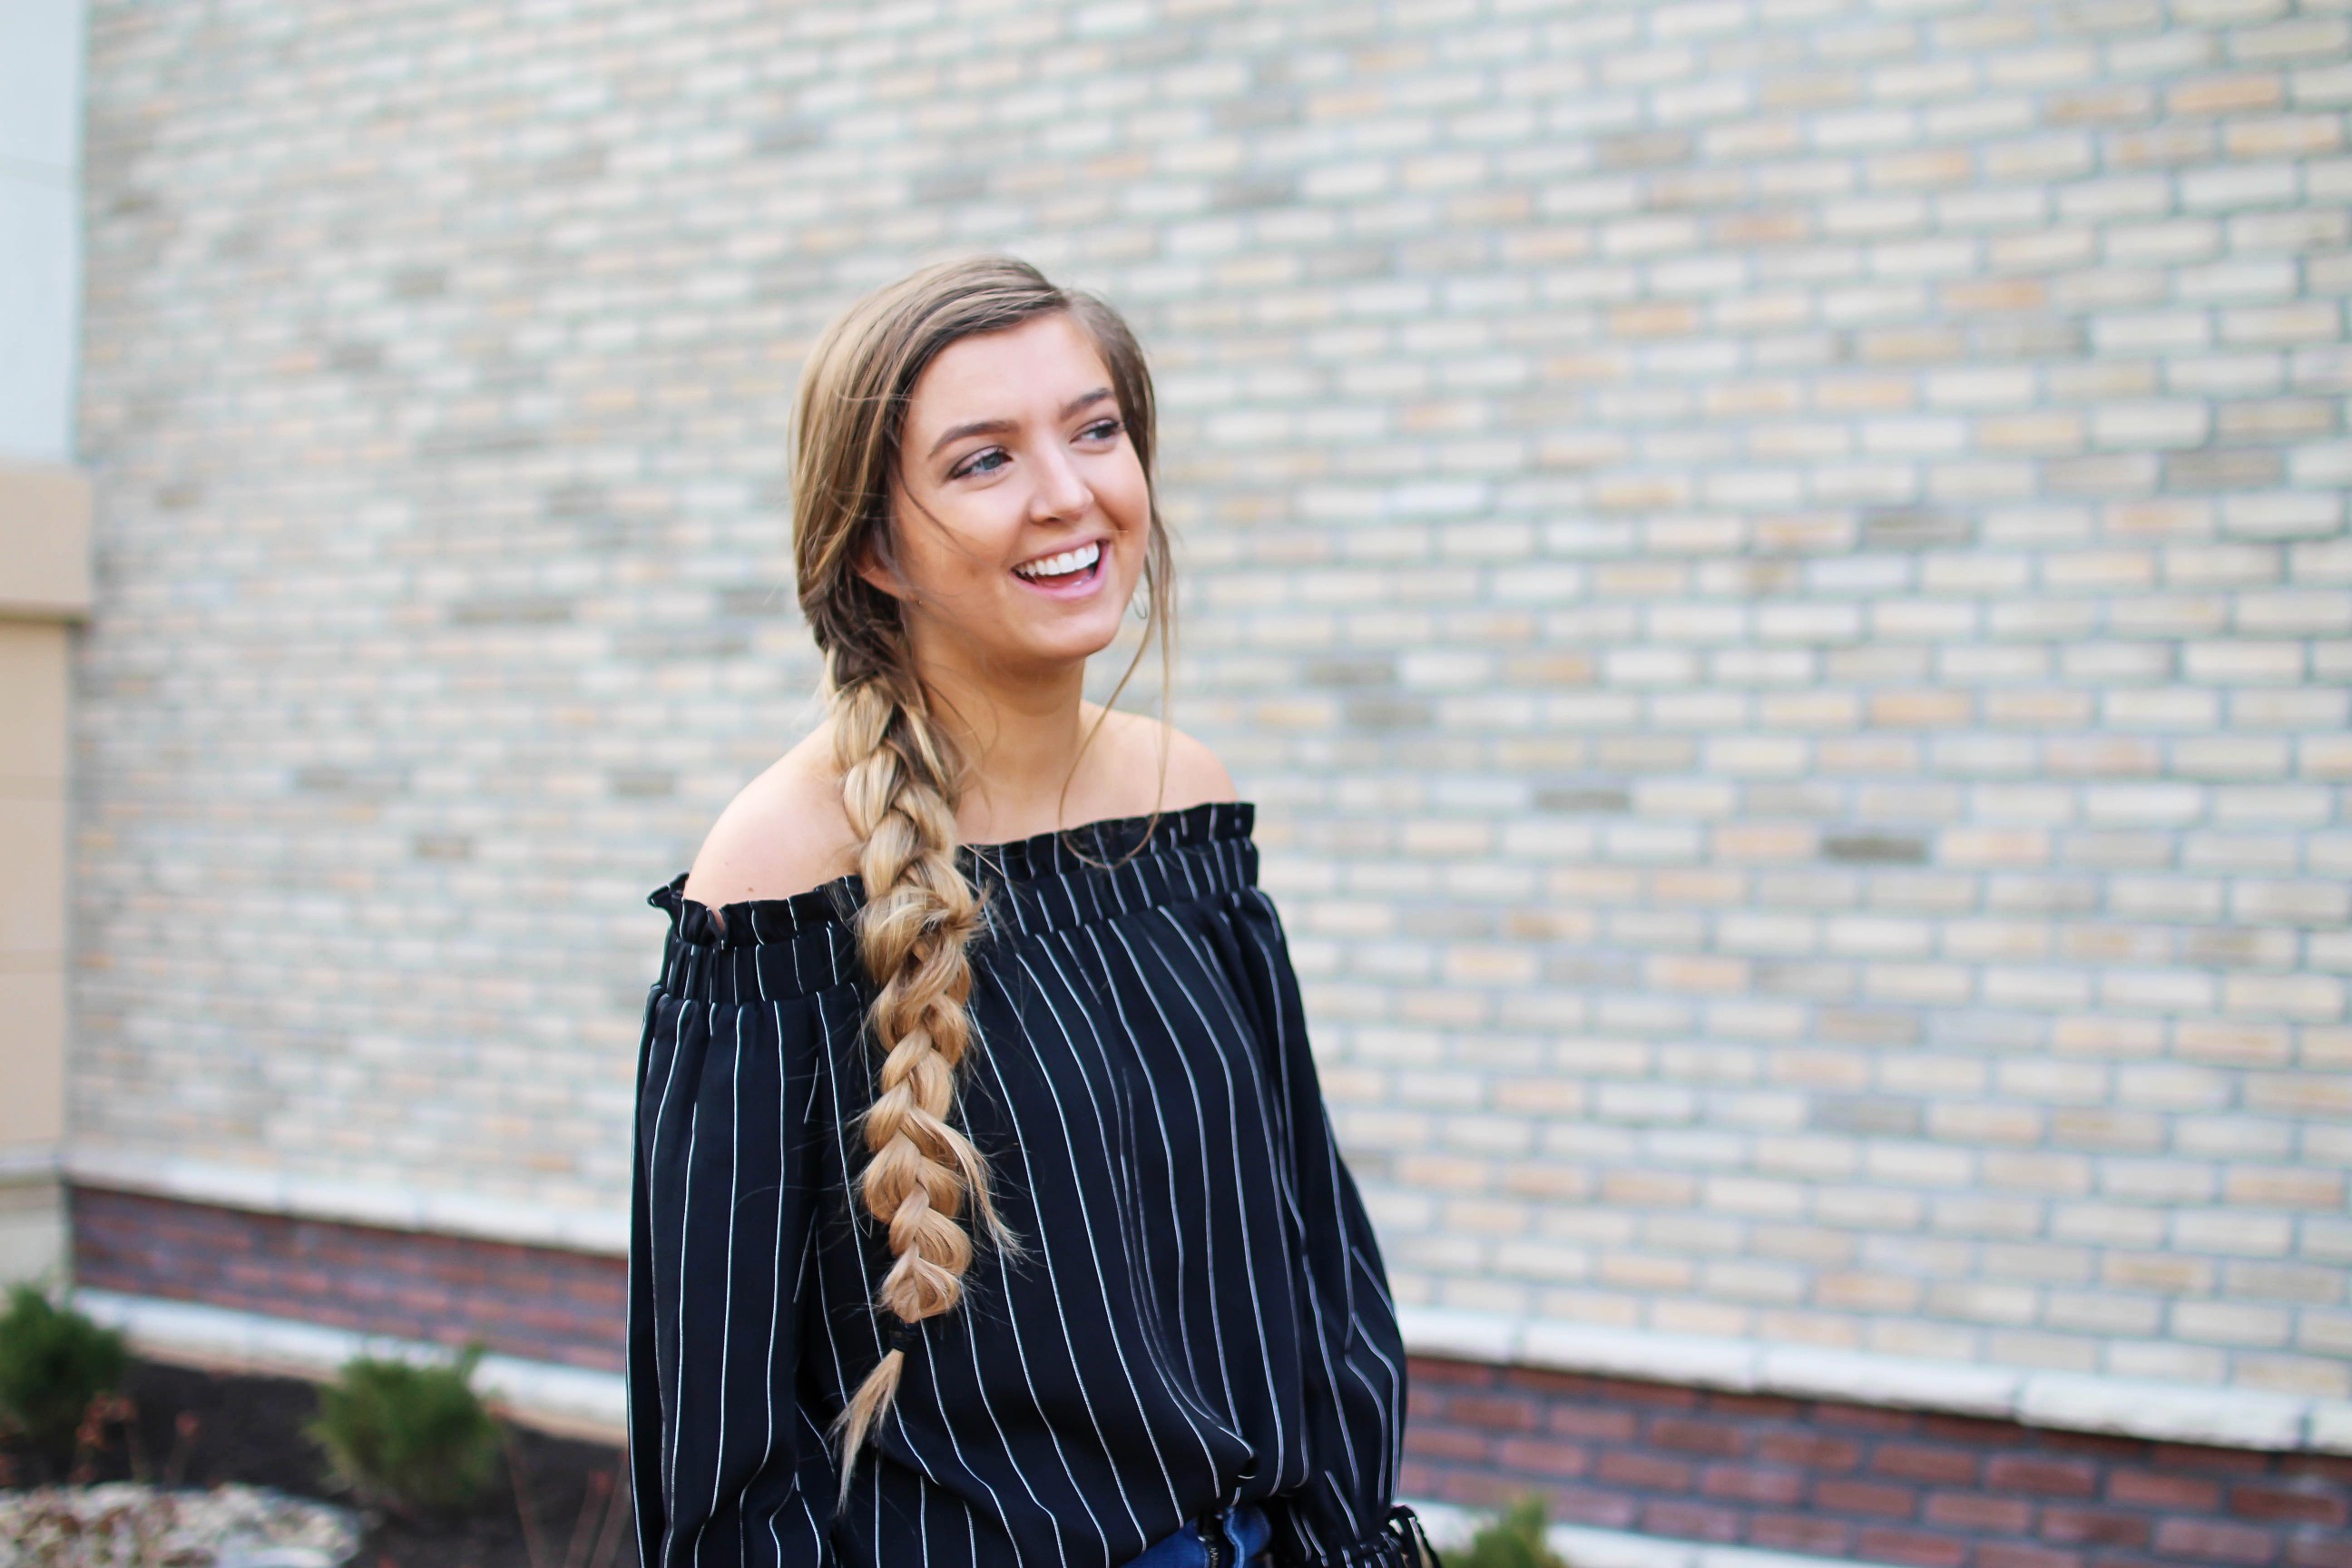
(1057, 851)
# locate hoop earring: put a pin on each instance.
(1139, 605)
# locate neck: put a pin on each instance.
(1020, 732)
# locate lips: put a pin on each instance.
(1062, 562)
(1081, 571)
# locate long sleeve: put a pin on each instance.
(725, 1467)
(1353, 1356)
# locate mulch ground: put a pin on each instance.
(557, 1503)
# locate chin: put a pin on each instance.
(1069, 643)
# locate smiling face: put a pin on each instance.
(1021, 513)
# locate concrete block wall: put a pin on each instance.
(1778, 571)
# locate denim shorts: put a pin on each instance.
(1241, 1534)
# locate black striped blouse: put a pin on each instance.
(1202, 1318)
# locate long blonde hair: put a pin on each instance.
(901, 773)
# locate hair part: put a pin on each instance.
(902, 776)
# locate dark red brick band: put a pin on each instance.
(1806, 1475)
(543, 1303)
(1864, 1481)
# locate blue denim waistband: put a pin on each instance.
(1244, 1529)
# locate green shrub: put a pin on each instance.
(1514, 1541)
(410, 1437)
(54, 1363)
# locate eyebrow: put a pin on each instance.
(992, 427)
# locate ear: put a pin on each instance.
(867, 563)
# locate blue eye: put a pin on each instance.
(974, 466)
(988, 459)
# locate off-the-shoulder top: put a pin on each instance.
(1201, 1318)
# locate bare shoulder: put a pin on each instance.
(785, 833)
(1196, 773)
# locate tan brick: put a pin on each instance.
(2233, 1042)
(2285, 1187)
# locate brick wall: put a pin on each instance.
(538, 1303)
(1850, 1480)
(1778, 573)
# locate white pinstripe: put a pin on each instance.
(1136, 1247)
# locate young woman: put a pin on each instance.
(985, 1207)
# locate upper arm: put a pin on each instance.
(785, 833)
(715, 1332)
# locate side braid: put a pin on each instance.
(919, 920)
(902, 776)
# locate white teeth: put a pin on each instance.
(1076, 560)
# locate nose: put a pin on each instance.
(1062, 490)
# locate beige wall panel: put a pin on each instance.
(32, 1069)
(32, 707)
(32, 881)
(43, 541)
